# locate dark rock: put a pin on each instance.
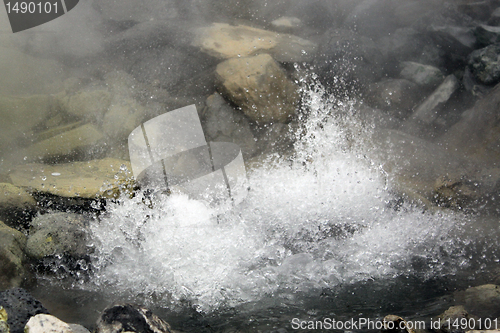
(484, 64)
(130, 318)
(427, 111)
(20, 307)
(458, 192)
(397, 96)
(487, 35)
(482, 300)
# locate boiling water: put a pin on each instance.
(313, 223)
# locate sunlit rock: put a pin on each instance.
(15, 202)
(259, 87)
(226, 41)
(12, 245)
(20, 307)
(92, 179)
(44, 323)
(222, 123)
(130, 318)
(477, 134)
(397, 96)
(413, 162)
(4, 327)
(484, 64)
(74, 142)
(425, 76)
(59, 234)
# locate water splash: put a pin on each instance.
(309, 223)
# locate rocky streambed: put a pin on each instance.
(413, 83)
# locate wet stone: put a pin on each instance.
(260, 87)
(424, 75)
(44, 323)
(20, 307)
(61, 234)
(484, 64)
(104, 178)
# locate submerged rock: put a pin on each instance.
(260, 87)
(425, 76)
(477, 134)
(456, 314)
(89, 105)
(59, 234)
(45, 323)
(106, 178)
(226, 41)
(484, 64)
(223, 123)
(130, 318)
(397, 96)
(12, 245)
(20, 307)
(4, 327)
(427, 111)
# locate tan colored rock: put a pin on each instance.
(14, 197)
(226, 41)
(259, 86)
(66, 144)
(91, 179)
(12, 245)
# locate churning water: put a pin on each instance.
(314, 222)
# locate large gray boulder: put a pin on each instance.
(259, 86)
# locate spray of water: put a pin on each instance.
(310, 222)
